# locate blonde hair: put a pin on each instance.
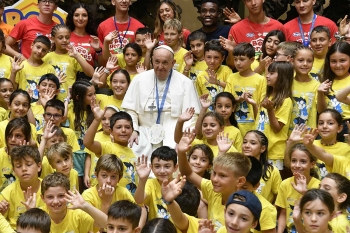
(236, 162)
(174, 24)
(62, 149)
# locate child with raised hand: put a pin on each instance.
(25, 191)
(65, 58)
(19, 106)
(78, 216)
(194, 59)
(148, 192)
(255, 143)
(228, 174)
(274, 114)
(212, 128)
(109, 171)
(213, 80)
(17, 133)
(34, 220)
(314, 212)
(246, 86)
(175, 192)
(5, 61)
(101, 136)
(143, 37)
(121, 128)
(173, 38)
(132, 54)
(224, 105)
(320, 41)
(336, 79)
(304, 89)
(302, 162)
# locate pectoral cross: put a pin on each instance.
(151, 107)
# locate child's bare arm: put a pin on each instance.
(282, 221)
(295, 137)
(185, 169)
(143, 171)
(47, 134)
(87, 170)
(343, 95)
(274, 123)
(169, 192)
(149, 43)
(205, 102)
(186, 116)
(87, 68)
(322, 90)
(94, 146)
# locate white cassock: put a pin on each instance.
(140, 103)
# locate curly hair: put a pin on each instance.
(90, 26)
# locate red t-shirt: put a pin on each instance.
(185, 33)
(108, 26)
(293, 31)
(27, 30)
(253, 33)
(82, 44)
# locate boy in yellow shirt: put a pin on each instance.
(34, 220)
(173, 38)
(268, 214)
(124, 214)
(26, 75)
(319, 43)
(19, 196)
(148, 192)
(228, 175)
(246, 86)
(121, 129)
(78, 216)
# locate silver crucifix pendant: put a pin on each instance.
(151, 107)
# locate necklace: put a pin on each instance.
(331, 144)
(161, 90)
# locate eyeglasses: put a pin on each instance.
(55, 116)
(51, 2)
(280, 54)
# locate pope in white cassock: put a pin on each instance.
(155, 99)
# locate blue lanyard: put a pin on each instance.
(116, 28)
(160, 108)
(306, 43)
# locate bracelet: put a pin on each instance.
(67, 99)
(218, 82)
(339, 37)
(166, 202)
(107, 71)
(99, 53)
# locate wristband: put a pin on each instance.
(67, 99)
(107, 71)
(166, 202)
(99, 53)
(218, 82)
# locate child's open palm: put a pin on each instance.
(111, 36)
(170, 190)
(309, 137)
(47, 95)
(344, 26)
(112, 63)
(96, 110)
(186, 140)
(16, 64)
(300, 183)
(297, 133)
(187, 115)
(224, 143)
(212, 77)
(95, 42)
(97, 75)
(72, 52)
(228, 44)
(48, 133)
(188, 58)
(232, 16)
(142, 168)
(30, 198)
(205, 226)
(75, 199)
(205, 102)
(324, 87)
(149, 43)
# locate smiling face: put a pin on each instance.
(47, 85)
(209, 14)
(106, 121)
(303, 62)
(224, 181)
(301, 163)
(15, 138)
(328, 127)
(340, 64)
(119, 85)
(165, 12)
(121, 5)
(211, 127)
(197, 48)
(122, 131)
(80, 18)
(19, 106)
(163, 169)
(63, 165)
(6, 89)
(239, 219)
(131, 57)
(54, 200)
(199, 162)
(329, 185)
(315, 216)
(251, 145)
(171, 37)
(320, 43)
(89, 95)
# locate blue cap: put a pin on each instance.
(249, 200)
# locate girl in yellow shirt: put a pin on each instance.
(255, 144)
(6, 89)
(132, 54)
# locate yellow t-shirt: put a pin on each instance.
(237, 85)
(304, 104)
(340, 223)
(74, 221)
(269, 189)
(339, 149)
(277, 141)
(7, 175)
(5, 226)
(332, 102)
(122, 63)
(13, 194)
(179, 60)
(3, 114)
(196, 69)
(215, 149)
(28, 78)
(317, 69)
(38, 112)
(341, 165)
(222, 230)
(204, 87)
(5, 66)
(216, 210)
(287, 196)
(46, 168)
(235, 135)
(100, 137)
(3, 125)
(268, 214)
(78, 133)
(192, 224)
(73, 178)
(71, 137)
(157, 208)
(128, 158)
(109, 100)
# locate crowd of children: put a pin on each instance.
(268, 153)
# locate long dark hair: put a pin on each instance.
(280, 35)
(228, 95)
(90, 26)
